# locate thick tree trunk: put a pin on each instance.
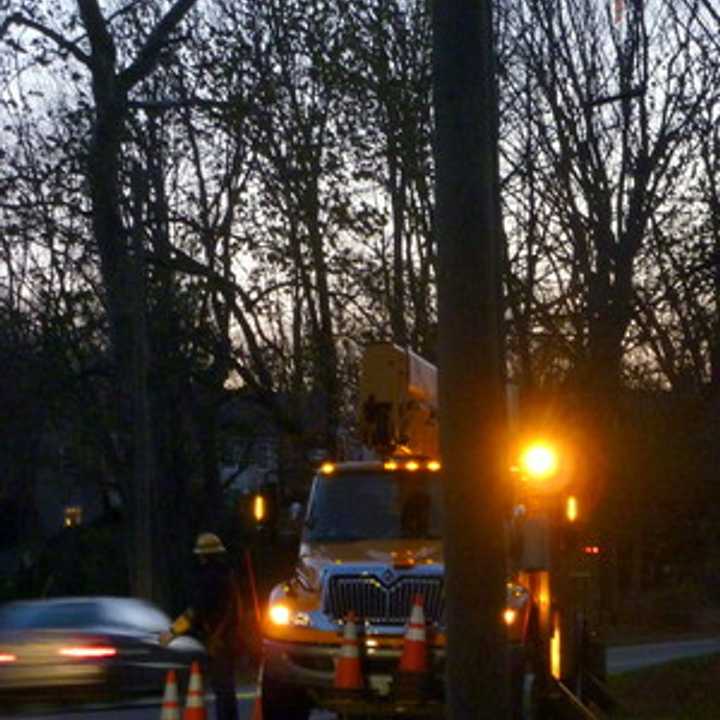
(124, 282)
(123, 271)
(398, 322)
(326, 352)
(472, 412)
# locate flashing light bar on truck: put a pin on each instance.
(411, 465)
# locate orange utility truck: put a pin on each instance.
(371, 554)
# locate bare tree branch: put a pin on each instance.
(119, 13)
(708, 5)
(62, 42)
(150, 52)
(606, 99)
(101, 42)
(193, 102)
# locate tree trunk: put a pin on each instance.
(123, 271)
(126, 311)
(398, 193)
(472, 412)
(326, 353)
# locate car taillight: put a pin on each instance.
(7, 658)
(83, 653)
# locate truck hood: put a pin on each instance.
(401, 554)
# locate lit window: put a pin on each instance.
(73, 516)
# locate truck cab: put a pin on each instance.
(371, 543)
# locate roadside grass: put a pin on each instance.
(681, 690)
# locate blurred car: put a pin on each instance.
(69, 649)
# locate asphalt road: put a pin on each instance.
(619, 660)
(138, 710)
(634, 657)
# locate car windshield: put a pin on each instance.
(51, 616)
(74, 615)
(375, 506)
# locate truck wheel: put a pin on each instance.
(283, 702)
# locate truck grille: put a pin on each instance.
(374, 602)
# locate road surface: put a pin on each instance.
(619, 660)
(148, 709)
(634, 657)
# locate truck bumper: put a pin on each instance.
(313, 666)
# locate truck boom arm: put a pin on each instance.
(398, 402)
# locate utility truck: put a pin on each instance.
(371, 543)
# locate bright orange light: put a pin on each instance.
(327, 468)
(412, 466)
(390, 465)
(555, 657)
(259, 508)
(7, 657)
(544, 597)
(433, 466)
(509, 616)
(571, 508)
(280, 614)
(539, 461)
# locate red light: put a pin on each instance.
(83, 653)
(7, 657)
(591, 550)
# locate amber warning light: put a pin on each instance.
(571, 509)
(412, 465)
(539, 461)
(259, 508)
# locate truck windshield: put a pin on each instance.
(375, 506)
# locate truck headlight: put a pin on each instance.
(281, 614)
(509, 616)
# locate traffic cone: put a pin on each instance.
(170, 704)
(414, 657)
(348, 674)
(195, 703)
(257, 711)
(412, 679)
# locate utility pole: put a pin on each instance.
(471, 356)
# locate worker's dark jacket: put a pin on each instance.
(216, 612)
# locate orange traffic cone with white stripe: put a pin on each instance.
(257, 711)
(348, 673)
(413, 674)
(415, 656)
(195, 703)
(170, 703)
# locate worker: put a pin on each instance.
(415, 519)
(216, 617)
